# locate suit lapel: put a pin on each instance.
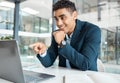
(76, 32)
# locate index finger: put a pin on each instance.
(32, 46)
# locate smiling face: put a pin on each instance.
(65, 20)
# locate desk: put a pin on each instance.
(76, 76)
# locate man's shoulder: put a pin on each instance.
(89, 25)
(84, 26)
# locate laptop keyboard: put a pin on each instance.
(32, 79)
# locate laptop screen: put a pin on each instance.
(10, 65)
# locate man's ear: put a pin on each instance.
(75, 15)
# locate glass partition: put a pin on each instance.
(6, 18)
(32, 29)
(108, 46)
(44, 26)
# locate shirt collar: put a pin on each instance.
(69, 37)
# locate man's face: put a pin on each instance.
(65, 20)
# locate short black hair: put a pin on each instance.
(64, 4)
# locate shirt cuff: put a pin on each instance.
(44, 54)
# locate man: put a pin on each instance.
(75, 42)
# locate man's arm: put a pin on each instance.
(51, 55)
(52, 51)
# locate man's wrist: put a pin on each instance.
(62, 44)
(44, 54)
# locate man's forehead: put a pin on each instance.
(62, 9)
(60, 12)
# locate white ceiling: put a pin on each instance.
(43, 6)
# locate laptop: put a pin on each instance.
(11, 68)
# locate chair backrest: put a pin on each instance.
(100, 65)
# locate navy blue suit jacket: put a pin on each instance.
(82, 52)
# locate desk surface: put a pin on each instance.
(75, 76)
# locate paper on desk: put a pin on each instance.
(103, 78)
(83, 78)
(91, 78)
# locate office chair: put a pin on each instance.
(100, 66)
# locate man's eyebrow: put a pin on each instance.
(60, 16)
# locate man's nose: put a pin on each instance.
(59, 23)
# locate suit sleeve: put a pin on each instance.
(51, 55)
(86, 57)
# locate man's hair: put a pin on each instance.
(64, 4)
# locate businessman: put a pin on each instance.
(76, 42)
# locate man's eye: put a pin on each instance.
(62, 18)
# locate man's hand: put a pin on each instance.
(39, 47)
(59, 35)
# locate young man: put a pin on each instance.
(75, 42)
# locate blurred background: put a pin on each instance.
(30, 21)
